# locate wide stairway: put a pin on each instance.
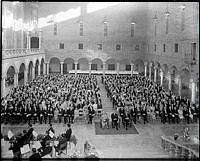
(106, 102)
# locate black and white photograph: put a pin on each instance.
(99, 80)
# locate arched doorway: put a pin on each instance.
(185, 79)
(68, 65)
(30, 68)
(54, 65)
(83, 63)
(111, 64)
(21, 74)
(174, 80)
(165, 77)
(139, 66)
(36, 68)
(10, 77)
(42, 67)
(97, 64)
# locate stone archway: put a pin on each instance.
(124, 65)
(36, 68)
(30, 70)
(83, 64)
(54, 65)
(139, 66)
(21, 74)
(68, 65)
(10, 77)
(174, 80)
(42, 67)
(97, 64)
(185, 79)
(111, 64)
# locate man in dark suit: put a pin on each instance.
(115, 119)
(68, 132)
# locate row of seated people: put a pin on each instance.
(142, 97)
(51, 97)
(27, 138)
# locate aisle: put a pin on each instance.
(106, 103)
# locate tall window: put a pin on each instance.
(81, 28)
(80, 46)
(99, 46)
(193, 47)
(176, 48)
(61, 46)
(118, 47)
(105, 27)
(164, 48)
(132, 29)
(55, 29)
(155, 47)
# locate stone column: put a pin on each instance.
(90, 67)
(16, 79)
(44, 68)
(193, 88)
(145, 69)
(104, 68)
(132, 65)
(61, 68)
(28, 40)
(179, 85)
(161, 77)
(170, 81)
(40, 39)
(155, 73)
(39, 69)
(76, 63)
(150, 65)
(25, 76)
(3, 85)
(33, 72)
(47, 68)
(118, 65)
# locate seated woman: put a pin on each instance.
(104, 121)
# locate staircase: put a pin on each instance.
(106, 103)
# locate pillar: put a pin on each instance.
(132, 65)
(90, 67)
(44, 68)
(150, 65)
(47, 65)
(39, 69)
(28, 40)
(104, 68)
(75, 63)
(155, 74)
(145, 69)
(40, 39)
(25, 76)
(3, 85)
(61, 68)
(193, 88)
(161, 77)
(118, 65)
(170, 81)
(179, 85)
(16, 79)
(33, 72)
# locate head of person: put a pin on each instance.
(68, 126)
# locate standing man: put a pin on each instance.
(115, 120)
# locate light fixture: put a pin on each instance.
(132, 23)
(167, 13)
(155, 18)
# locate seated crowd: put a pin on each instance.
(52, 97)
(136, 97)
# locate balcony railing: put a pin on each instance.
(10, 53)
(189, 59)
